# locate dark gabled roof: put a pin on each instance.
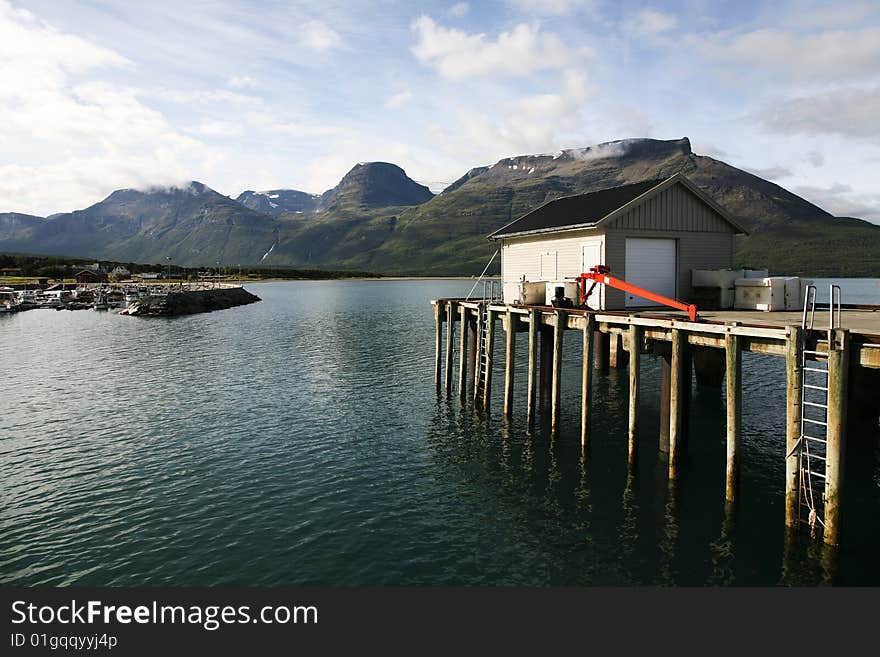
(586, 210)
(576, 210)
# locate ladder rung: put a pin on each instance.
(815, 456)
(817, 474)
(816, 353)
(808, 403)
(818, 440)
(815, 387)
(815, 369)
(824, 424)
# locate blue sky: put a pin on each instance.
(97, 95)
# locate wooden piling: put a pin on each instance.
(438, 334)
(490, 344)
(534, 323)
(615, 351)
(838, 380)
(676, 403)
(665, 352)
(793, 397)
(587, 378)
(450, 346)
(509, 361)
(600, 351)
(709, 364)
(556, 385)
(733, 350)
(463, 353)
(546, 369)
(472, 349)
(635, 348)
(478, 354)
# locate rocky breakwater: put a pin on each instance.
(189, 302)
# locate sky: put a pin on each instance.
(97, 95)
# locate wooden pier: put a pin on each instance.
(712, 344)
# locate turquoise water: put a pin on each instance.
(299, 441)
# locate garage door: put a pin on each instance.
(650, 264)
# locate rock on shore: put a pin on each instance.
(189, 302)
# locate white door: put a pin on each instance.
(591, 255)
(548, 266)
(651, 264)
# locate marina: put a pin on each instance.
(135, 300)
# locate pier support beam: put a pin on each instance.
(438, 335)
(677, 394)
(587, 379)
(600, 351)
(463, 353)
(665, 352)
(556, 385)
(509, 360)
(478, 356)
(838, 379)
(450, 346)
(534, 324)
(616, 354)
(709, 364)
(793, 397)
(635, 348)
(472, 351)
(733, 350)
(545, 378)
(490, 348)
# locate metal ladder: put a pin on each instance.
(490, 295)
(813, 441)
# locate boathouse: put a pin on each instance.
(651, 233)
(90, 276)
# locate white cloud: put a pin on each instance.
(850, 112)
(399, 99)
(531, 124)
(202, 96)
(241, 82)
(832, 54)
(837, 14)
(73, 137)
(459, 9)
(456, 54)
(649, 21)
(815, 158)
(552, 7)
(214, 128)
(771, 173)
(318, 36)
(842, 201)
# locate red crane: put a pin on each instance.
(600, 274)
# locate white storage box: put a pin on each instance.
(570, 291)
(794, 298)
(722, 278)
(759, 294)
(525, 292)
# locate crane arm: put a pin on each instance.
(600, 275)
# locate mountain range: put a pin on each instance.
(378, 219)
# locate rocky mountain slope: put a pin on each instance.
(377, 219)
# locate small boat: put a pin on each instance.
(8, 300)
(101, 302)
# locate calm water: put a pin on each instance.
(299, 441)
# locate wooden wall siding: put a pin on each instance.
(522, 256)
(675, 208)
(696, 250)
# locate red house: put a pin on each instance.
(88, 276)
